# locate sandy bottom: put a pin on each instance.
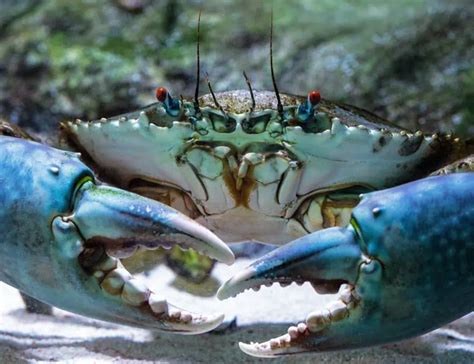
(69, 338)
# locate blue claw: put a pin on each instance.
(404, 266)
(62, 235)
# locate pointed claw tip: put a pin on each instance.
(236, 284)
(219, 318)
(220, 251)
(252, 350)
(246, 348)
(205, 241)
(228, 256)
(222, 294)
(211, 323)
(215, 320)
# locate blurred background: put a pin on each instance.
(410, 61)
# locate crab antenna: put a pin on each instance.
(214, 96)
(280, 106)
(251, 91)
(198, 68)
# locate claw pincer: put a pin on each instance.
(404, 266)
(62, 236)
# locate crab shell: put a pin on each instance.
(228, 166)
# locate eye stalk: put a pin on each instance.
(172, 106)
(306, 109)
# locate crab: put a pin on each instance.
(242, 165)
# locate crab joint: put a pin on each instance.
(306, 109)
(172, 106)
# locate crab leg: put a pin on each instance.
(403, 267)
(62, 236)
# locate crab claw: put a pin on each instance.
(63, 236)
(403, 267)
(121, 221)
(114, 224)
(328, 259)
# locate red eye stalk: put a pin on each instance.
(161, 94)
(314, 97)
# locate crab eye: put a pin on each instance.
(314, 97)
(161, 94)
(306, 109)
(172, 106)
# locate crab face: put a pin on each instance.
(236, 158)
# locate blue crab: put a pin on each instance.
(247, 165)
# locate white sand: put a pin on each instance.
(68, 338)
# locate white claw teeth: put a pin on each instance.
(186, 317)
(346, 297)
(174, 313)
(338, 310)
(279, 342)
(274, 343)
(344, 287)
(345, 294)
(293, 332)
(335, 311)
(315, 322)
(158, 304)
(114, 281)
(135, 292)
(318, 320)
(302, 327)
(285, 339)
